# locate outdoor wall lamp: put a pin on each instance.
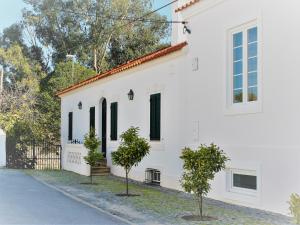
(185, 28)
(80, 105)
(130, 95)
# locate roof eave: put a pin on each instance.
(130, 64)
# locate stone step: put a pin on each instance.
(107, 170)
(99, 167)
(100, 174)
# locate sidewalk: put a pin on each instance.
(155, 205)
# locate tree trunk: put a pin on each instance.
(95, 60)
(200, 204)
(127, 192)
(91, 176)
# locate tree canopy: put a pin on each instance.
(200, 167)
(101, 33)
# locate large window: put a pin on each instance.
(155, 117)
(114, 121)
(70, 126)
(245, 65)
(92, 118)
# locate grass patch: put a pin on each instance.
(166, 206)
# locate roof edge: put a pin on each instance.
(186, 5)
(126, 66)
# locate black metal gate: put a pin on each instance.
(39, 155)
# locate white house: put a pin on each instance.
(2, 149)
(234, 80)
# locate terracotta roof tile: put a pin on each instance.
(126, 66)
(190, 3)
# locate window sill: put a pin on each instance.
(243, 108)
(157, 145)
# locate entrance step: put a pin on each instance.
(101, 169)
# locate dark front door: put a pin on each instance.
(104, 112)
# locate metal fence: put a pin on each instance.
(39, 155)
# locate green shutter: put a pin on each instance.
(114, 121)
(70, 128)
(92, 118)
(155, 117)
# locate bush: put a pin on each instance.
(295, 207)
(131, 151)
(92, 143)
(200, 166)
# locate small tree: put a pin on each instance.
(200, 166)
(131, 151)
(92, 143)
(295, 207)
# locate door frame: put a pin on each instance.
(103, 125)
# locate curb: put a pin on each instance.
(82, 201)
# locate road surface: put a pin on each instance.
(23, 200)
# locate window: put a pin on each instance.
(244, 65)
(152, 176)
(70, 126)
(155, 117)
(244, 181)
(114, 121)
(92, 118)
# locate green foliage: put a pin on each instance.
(92, 143)
(200, 167)
(62, 76)
(33, 54)
(19, 99)
(295, 207)
(85, 28)
(131, 151)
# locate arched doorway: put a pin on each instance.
(103, 125)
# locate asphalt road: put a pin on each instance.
(23, 200)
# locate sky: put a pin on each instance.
(11, 11)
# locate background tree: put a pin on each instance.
(102, 34)
(95, 31)
(200, 167)
(130, 152)
(19, 98)
(92, 143)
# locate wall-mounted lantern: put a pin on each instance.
(130, 95)
(185, 28)
(80, 105)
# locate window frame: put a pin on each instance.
(245, 106)
(245, 191)
(92, 124)
(70, 126)
(152, 137)
(113, 138)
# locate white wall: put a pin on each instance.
(2, 149)
(153, 77)
(265, 139)
(194, 110)
(73, 159)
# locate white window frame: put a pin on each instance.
(244, 191)
(246, 106)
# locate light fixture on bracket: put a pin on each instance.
(80, 105)
(185, 28)
(130, 95)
